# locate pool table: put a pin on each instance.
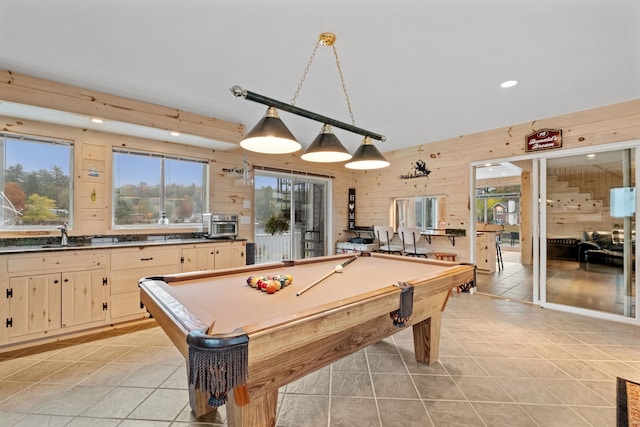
(280, 337)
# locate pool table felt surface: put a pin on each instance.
(229, 303)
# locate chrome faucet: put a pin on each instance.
(63, 234)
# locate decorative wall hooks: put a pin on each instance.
(233, 171)
(420, 170)
(244, 173)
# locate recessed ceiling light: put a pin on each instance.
(96, 120)
(509, 83)
(591, 156)
(175, 133)
(487, 164)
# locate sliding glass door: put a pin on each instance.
(588, 201)
(290, 216)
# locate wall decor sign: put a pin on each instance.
(352, 209)
(544, 139)
(420, 170)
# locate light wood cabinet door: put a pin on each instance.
(486, 252)
(128, 266)
(198, 258)
(34, 304)
(229, 256)
(84, 297)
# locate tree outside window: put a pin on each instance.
(36, 184)
(147, 185)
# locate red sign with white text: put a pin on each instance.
(544, 139)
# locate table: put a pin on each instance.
(349, 248)
(289, 336)
(445, 256)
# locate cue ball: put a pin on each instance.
(338, 269)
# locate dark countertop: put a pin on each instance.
(109, 245)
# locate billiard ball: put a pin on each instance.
(272, 286)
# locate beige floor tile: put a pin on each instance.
(450, 414)
(392, 385)
(482, 389)
(161, 405)
(505, 414)
(554, 416)
(118, 402)
(501, 362)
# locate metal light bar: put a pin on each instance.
(238, 92)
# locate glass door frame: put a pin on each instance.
(538, 221)
(328, 203)
(540, 209)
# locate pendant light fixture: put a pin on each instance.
(326, 148)
(367, 156)
(271, 132)
(271, 135)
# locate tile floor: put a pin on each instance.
(514, 281)
(502, 363)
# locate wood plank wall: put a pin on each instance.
(449, 160)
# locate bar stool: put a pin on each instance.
(499, 256)
(445, 256)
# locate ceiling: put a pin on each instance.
(415, 71)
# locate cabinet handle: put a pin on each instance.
(65, 280)
(146, 259)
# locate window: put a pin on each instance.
(153, 189)
(421, 212)
(36, 182)
(426, 212)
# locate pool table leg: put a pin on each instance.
(426, 339)
(260, 411)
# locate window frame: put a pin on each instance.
(162, 196)
(27, 138)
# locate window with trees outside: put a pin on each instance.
(151, 190)
(36, 182)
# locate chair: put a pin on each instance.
(384, 234)
(410, 238)
(499, 255)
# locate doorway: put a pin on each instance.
(579, 232)
(589, 230)
(498, 193)
(290, 216)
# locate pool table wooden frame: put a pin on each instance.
(294, 344)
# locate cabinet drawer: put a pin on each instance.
(67, 261)
(143, 257)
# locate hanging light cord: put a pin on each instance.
(326, 40)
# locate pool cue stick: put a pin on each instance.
(344, 264)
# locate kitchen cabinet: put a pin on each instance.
(213, 256)
(84, 297)
(229, 255)
(196, 258)
(52, 293)
(33, 304)
(128, 266)
(486, 251)
(48, 293)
